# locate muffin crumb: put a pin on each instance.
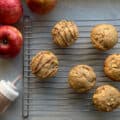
(104, 36)
(44, 65)
(82, 78)
(106, 98)
(65, 33)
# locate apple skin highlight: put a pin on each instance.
(41, 6)
(10, 11)
(11, 41)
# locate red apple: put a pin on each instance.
(10, 11)
(41, 6)
(11, 41)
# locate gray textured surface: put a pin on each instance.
(53, 97)
(80, 9)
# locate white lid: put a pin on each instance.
(8, 90)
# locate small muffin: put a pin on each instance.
(65, 33)
(104, 36)
(82, 78)
(44, 65)
(106, 98)
(112, 67)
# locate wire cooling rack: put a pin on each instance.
(53, 98)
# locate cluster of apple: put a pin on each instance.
(11, 11)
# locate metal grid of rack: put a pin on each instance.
(54, 97)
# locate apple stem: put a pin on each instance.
(15, 81)
(5, 41)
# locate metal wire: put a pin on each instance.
(55, 95)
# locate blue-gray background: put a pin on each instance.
(84, 9)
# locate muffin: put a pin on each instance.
(65, 33)
(104, 36)
(44, 65)
(112, 67)
(106, 98)
(82, 78)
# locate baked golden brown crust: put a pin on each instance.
(106, 98)
(44, 64)
(82, 78)
(104, 36)
(112, 67)
(65, 33)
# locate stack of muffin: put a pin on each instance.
(82, 78)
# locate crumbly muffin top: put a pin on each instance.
(112, 67)
(44, 64)
(106, 98)
(65, 33)
(104, 36)
(82, 78)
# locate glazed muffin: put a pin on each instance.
(112, 67)
(44, 65)
(65, 33)
(104, 36)
(82, 78)
(106, 98)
